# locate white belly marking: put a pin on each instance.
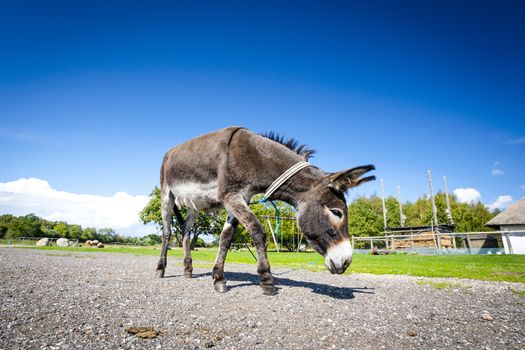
(200, 196)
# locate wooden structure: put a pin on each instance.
(423, 237)
(424, 240)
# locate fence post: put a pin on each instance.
(507, 238)
(469, 244)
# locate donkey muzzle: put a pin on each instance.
(338, 257)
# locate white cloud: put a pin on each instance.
(497, 172)
(522, 187)
(467, 195)
(119, 211)
(500, 203)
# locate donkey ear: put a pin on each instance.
(346, 179)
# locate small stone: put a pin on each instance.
(411, 333)
(142, 332)
(486, 316)
(209, 344)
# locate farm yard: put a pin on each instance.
(262, 175)
(73, 297)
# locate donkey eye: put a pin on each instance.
(337, 212)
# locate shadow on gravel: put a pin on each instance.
(318, 288)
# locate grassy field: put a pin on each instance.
(482, 267)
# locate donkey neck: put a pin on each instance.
(294, 189)
(259, 161)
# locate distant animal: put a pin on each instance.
(226, 168)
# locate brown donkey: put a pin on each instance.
(227, 167)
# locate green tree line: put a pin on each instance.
(13, 227)
(365, 218)
(365, 214)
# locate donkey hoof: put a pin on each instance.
(159, 273)
(188, 274)
(220, 287)
(269, 289)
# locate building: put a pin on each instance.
(511, 220)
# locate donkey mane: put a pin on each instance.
(291, 143)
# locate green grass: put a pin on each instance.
(481, 267)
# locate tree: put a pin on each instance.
(75, 232)
(62, 229)
(210, 223)
(152, 239)
(88, 233)
(24, 226)
(365, 217)
(106, 235)
(392, 208)
(4, 224)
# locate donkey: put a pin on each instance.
(227, 167)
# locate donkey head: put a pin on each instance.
(323, 216)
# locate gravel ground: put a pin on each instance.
(61, 300)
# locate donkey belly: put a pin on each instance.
(196, 195)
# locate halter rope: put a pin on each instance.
(294, 169)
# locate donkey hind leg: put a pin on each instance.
(166, 207)
(228, 231)
(236, 205)
(191, 215)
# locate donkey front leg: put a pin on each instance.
(236, 205)
(228, 231)
(191, 215)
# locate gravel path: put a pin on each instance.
(61, 300)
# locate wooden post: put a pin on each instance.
(469, 244)
(384, 210)
(300, 235)
(401, 216)
(273, 235)
(299, 244)
(449, 211)
(434, 210)
(507, 238)
(293, 236)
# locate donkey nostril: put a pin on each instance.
(346, 263)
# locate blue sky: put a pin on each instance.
(93, 93)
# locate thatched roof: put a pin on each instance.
(513, 215)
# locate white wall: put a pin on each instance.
(517, 239)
